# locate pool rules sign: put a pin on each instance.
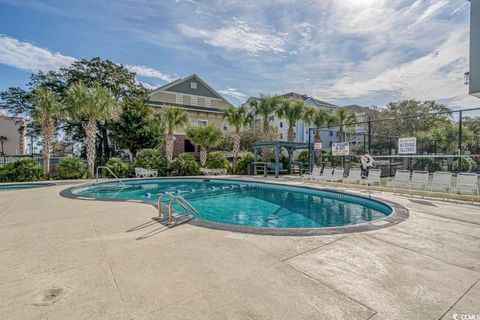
(407, 145)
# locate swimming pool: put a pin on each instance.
(251, 204)
(20, 186)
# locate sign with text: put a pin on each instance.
(407, 145)
(317, 146)
(341, 149)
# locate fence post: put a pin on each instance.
(310, 149)
(460, 133)
(369, 135)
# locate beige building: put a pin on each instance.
(203, 104)
(12, 135)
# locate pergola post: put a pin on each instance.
(277, 160)
(255, 151)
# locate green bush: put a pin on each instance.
(303, 156)
(151, 159)
(243, 162)
(184, 165)
(21, 171)
(427, 164)
(71, 168)
(118, 167)
(217, 160)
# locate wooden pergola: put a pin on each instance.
(277, 146)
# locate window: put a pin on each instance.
(271, 119)
(225, 127)
(281, 136)
(179, 99)
(281, 124)
(193, 85)
(194, 101)
(331, 142)
(188, 146)
(208, 102)
(331, 133)
(202, 123)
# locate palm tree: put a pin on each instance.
(237, 117)
(343, 118)
(47, 109)
(265, 107)
(319, 118)
(205, 138)
(173, 118)
(292, 111)
(2, 140)
(91, 105)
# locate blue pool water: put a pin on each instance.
(251, 204)
(20, 186)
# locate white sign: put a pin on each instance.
(407, 145)
(317, 146)
(341, 149)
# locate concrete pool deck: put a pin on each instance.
(72, 259)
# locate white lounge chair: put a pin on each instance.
(213, 172)
(314, 174)
(441, 181)
(326, 174)
(145, 173)
(373, 177)
(354, 176)
(400, 180)
(337, 175)
(419, 180)
(467, 183)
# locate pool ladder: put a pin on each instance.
(113, 174)
(173, 216)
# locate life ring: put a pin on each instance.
(367, 161)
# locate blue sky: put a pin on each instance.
(367, 52)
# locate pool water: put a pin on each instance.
(21, 186)
(251, 204)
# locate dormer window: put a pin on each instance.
(193, 85)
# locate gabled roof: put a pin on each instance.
(191, 77)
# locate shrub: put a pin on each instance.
(426, 164)
(217, 160)
(118, 167)
(151, 159)
(185, 165)
(303, 156)
(21, 171)
(71, 168)
(243, 162)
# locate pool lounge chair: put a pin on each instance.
(314, 174)
(467, 183)
(419, 180)
(354, 176)
(213, 172)
(145, 173)
(441, 182)
(337, 175)
(326, 174)
(400, 180)
(372, 178)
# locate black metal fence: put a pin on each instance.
(37, 158)
(445, 141)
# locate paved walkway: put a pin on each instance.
(74, 259)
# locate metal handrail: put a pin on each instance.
(177, 199)
(113, 174)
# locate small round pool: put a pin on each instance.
(247, 206)
(20, 186)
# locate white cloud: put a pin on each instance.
(26, 56)
(148, 72)
(238, 35)
(233, 92)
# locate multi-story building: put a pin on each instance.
(301, 128)
(12, 135)
(203, 104)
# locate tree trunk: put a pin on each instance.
(47, 128)
(91, 131)
(266, 129)
(291, 134)
(341, 134)
(169, 144)
(236, 149)
(106, 146)
(203, 157)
